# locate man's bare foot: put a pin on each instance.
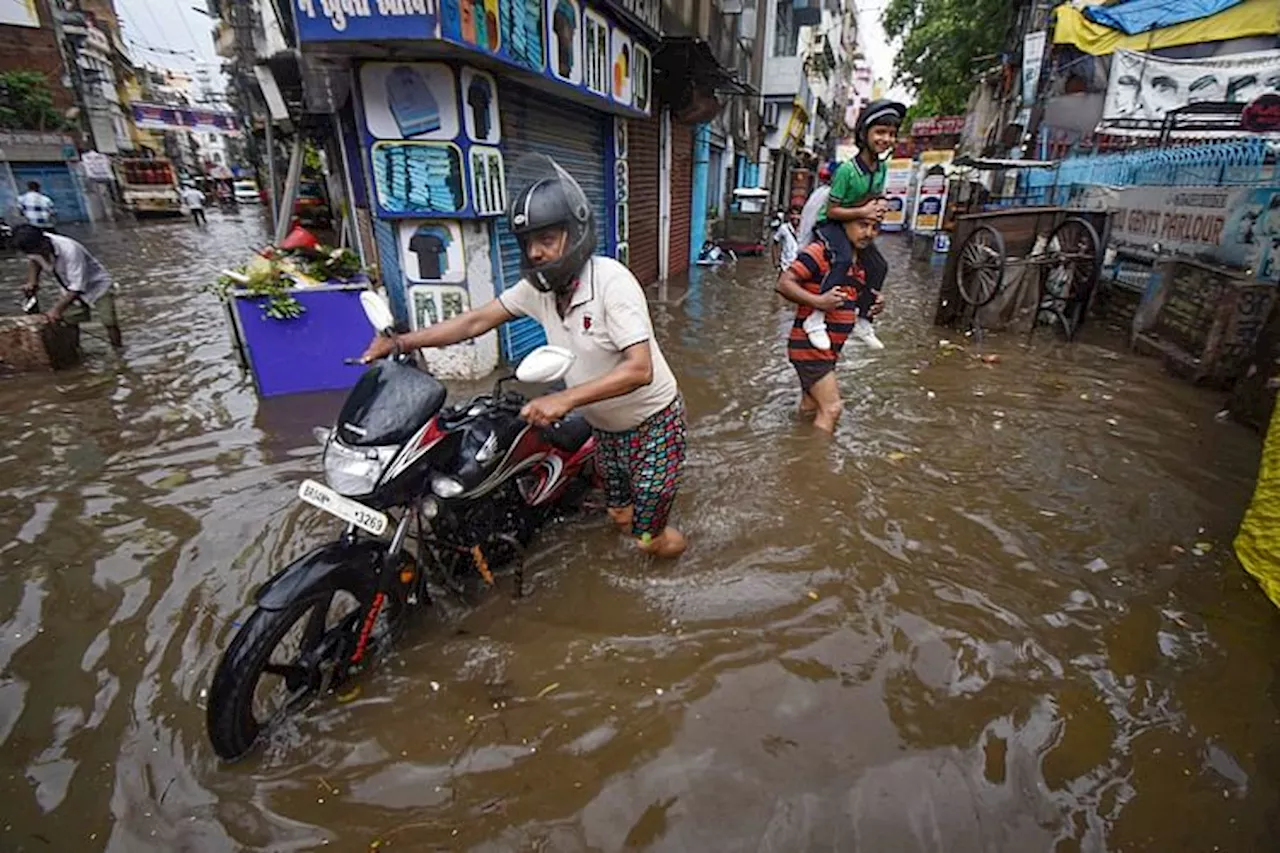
(622, 516)
(668, 544)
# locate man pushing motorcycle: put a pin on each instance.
(620, 382)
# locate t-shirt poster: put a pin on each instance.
(897, 189)
(431, 251)
(422, 119)
(565, 41)
(931, 194)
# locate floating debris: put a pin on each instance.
(550, 688)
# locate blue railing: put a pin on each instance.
(1229, 163)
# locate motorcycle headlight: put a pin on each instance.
(355, 471)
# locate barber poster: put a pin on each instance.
(1146, 87)
(897, 191)
(931, 194)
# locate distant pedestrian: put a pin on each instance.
(36, 207)
(785, 245)
(194, 201)
(816, 203)
(83, 280)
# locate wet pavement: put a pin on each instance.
(996, 612)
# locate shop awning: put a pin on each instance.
(683, 61)
(1248, 18)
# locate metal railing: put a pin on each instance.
(1237, 162)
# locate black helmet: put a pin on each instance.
(553, 200)
(880, 111)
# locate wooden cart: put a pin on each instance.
(1058, 248)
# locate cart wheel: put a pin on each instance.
(1072, 271)
(1075, 257)
(980, 271)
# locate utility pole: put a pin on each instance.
(241, 16)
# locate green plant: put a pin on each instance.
(332, 264)
(26, 102)
(262, 278)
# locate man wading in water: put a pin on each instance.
(801, 283)
(620, 382)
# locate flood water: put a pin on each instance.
(997, 612)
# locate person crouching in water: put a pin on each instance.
(620, 381)
(856, 189)
(803, 285)
(84, 282)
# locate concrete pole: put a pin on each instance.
(291, 182)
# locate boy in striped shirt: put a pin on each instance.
(801, 283)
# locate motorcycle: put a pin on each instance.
(474, 481)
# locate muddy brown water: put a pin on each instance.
(975, 620)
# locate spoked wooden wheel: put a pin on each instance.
(1071, 273)
(980, 270)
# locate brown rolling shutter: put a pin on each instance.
(681, 196)
(643, 162)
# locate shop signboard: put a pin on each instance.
(931, 193)
(1032, 64)
(1233, 226)
(938, 126)
(432, 132)
(564, 41)
(19, 13)
(165, 117)
(366, 20)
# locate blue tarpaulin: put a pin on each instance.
(1139, 16)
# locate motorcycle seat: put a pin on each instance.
(568, 434)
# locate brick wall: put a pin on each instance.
(27, 49)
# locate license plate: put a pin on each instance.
(346, 509)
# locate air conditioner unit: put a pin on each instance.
(769, 116)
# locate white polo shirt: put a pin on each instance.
(608, 314)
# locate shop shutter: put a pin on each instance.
(534, 123)
(57, 182)
(681, 196)
(643, 163)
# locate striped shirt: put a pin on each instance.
(810, 268)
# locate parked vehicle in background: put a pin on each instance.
(247, 192)
(148, 187)
(312, 205)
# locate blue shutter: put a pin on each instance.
(534, 123)
(57, 182)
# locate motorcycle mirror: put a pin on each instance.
(545, 364)
(377, 311)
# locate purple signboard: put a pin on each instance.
(305, 353)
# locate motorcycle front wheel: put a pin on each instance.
(280, 660)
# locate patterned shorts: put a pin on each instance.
(641, 467)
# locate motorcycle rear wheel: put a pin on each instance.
(331, 622)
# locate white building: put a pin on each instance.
(805, 84)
